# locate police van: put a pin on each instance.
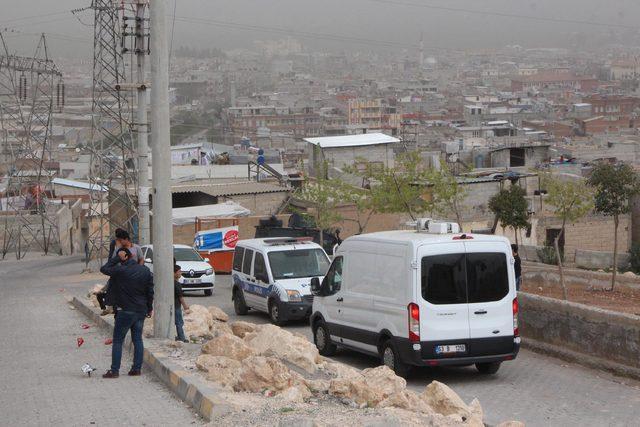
(273, 275)
(425, 297)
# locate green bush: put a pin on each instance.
(547, 255)
(635, 258)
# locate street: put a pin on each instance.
(42, 382)
(536, 389)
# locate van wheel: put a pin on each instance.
(274, 313)
(322, 340)
(239, 305)
(208, 292)
(390, 358)
(488, 368)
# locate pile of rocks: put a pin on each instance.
(266, 359)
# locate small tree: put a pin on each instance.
(399, 189)
(614, 186)
(360, 199)
(572, 200)
(511, 208)
(323, 197)
(448, 194)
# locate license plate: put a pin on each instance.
(451, 349)
(192, 281)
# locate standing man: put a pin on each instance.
(517, 266)
(132, 293)
(123, 240)
(179, 303)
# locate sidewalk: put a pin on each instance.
(42, 382)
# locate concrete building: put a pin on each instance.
(375, 114)
(340, 151)
(553, 81)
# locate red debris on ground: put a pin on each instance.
(108, 341)
(80, 341)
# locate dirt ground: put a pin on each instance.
(621, 299)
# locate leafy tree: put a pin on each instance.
(511, 208)
(448, 193)
(360, 199)
(323, 196)
(572, 200)
(614, 186)
(398, 189)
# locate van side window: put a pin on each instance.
(333, 278)
(260, 268)
(246, 264)
(444, 279)
(487, 277)
(237, 258)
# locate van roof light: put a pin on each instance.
(436, 227)
(287, 240)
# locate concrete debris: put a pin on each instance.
(445, 401)
(220, 369)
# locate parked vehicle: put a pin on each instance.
(197, 274)
(298, 227)
(431, 297)
(274, 275)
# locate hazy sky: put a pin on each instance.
(385, 20)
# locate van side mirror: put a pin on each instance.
(315, 286)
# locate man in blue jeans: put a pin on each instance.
(132, 296)
(179, 304)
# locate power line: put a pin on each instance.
(502, 14)
(26, 18)
(305, 34)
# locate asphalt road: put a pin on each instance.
(536, 389)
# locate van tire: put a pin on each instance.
(322, 340)
(274, 312)
(239, 305)
(389, 357)
(488, 368)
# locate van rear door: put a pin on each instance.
(442, 289)
(489, 287)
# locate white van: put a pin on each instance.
(432, 297)
(273, 275)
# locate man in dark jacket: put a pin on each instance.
(517, 266)
(132, 291)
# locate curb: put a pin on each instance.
(190, 388)
(580, 358)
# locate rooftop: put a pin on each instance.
(352, 140)
(230, 189)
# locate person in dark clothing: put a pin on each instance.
(179, 304)
(132, 293)
(517, 266)
(103, 297)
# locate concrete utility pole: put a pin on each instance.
(161, 164)
(143, 124)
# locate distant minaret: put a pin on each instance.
(421, 59)
(233, 92)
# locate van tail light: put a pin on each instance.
(414, 322)
(516, 308)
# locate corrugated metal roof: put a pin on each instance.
(352, 140)
(230, 189)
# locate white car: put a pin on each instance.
(430, 297)
(273, 275)
(197, 274)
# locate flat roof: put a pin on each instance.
(352, 140)
(78, 184)
(230, 189)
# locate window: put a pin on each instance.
(333, 279)
(516, 157)
(443, 279)
(186, 254)
(260, 268)
(246, 264)
(298, 263)
(487, 277)
(237, 258)
(149, 254)
(460, 278)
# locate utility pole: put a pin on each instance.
(161, 167)
(141, 52)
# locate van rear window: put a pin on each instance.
(237, 258)
(487, 277)
(443, 279)
(464, 278)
